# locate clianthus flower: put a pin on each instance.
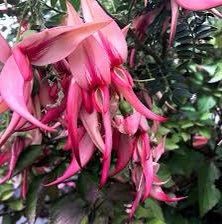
(92, 101)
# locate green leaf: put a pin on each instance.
(155, 209)
(35, 198)
(156, 221)
(16, 205)
(53, 2)
(27, 157)
(68, 210)
(6, 195)
(63, 4)
(209, 195)
(205, 103)
(76, 4)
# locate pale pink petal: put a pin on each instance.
(5, 51)
(195, 5)
(113, 38)
(131, 97)
(12, 87)
(73, 107)
(124, 153)
(72, 18)
(108, 148)
(175, 15)
(159, 149)
(92, 126)
(23, 63)
(89, 64)
(48, 46)
(16, 149)
(158, 194)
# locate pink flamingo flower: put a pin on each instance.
(16, 79)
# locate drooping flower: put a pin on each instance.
(37, 49)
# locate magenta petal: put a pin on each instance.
(91, 124)
(173, 27)
(16, 149)
(114, 41)
(132, 123)
(108, 148)
(5, 51)
(48, 46)
(159, 150)
(147, 165)
(216, 13)
(10, 128)
(124, 153)
(86, 149)
(131, 97)
(23, 63)
(12, 91)
(73, 106)
(157, 193)
(195, 5)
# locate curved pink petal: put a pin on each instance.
(16, 149)
(124, 153)
(199, 5)
(92, 126)
(89, 64)
(175, 15)
(12, 87)
(48, 46)
(23, 63)
(5, 51)
(10, 128)
(86, 150)
(112, 37)
(131, 97)
(158, 194)
(72, 18)
(73, 107)
(159, 150)
(216, 12)
(108, 148)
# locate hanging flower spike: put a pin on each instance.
(41, 48)
(86, 150)
(89, 64)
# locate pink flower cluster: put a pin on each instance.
(91, 97)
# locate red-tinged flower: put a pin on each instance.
(113, 41)
(86, 150)
(38, 49)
